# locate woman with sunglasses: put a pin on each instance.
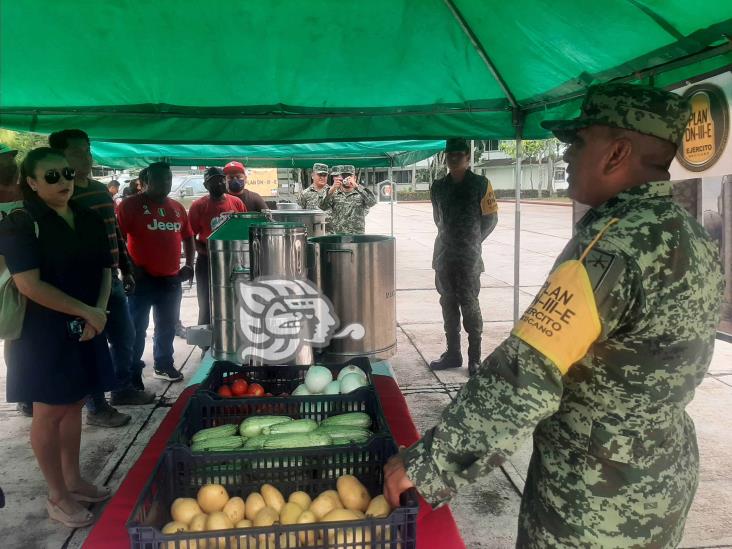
(60, 260)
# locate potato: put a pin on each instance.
(173, 527)
(218, 521)
(345, 535)
(245, 542)
(254, 504)
(235, 509)
(184, 509)
(290, 513)
(307, 517)
(301, 498)
(321, 506)
(272, 497)
(245, 523)
(378, 508)
(212, 498)
(353, 494)
(332, 494)
(198, 523)
(266, 517)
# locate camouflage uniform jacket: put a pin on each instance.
(311, 198)
(615, 460)
(458, 211)
(348, 210)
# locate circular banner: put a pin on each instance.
(706, 134)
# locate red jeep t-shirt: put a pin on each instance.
(154, 232)
(205, 214)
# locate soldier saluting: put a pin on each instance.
(602, 365)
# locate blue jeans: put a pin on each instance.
(120, 334)
(162, 295)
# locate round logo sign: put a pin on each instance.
(706, 134)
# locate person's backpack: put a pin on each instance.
(12, 302)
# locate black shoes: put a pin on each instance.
(132, 397)
(446, 361)
(473, 367)
(168, 373)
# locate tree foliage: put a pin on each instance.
(23, 141)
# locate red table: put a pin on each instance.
(436, 529)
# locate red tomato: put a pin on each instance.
(239, 387)
(255, 389)
(224, 391)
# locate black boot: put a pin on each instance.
(473, 354)
(473, 366)
(448, 359)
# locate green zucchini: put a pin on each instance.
(345, 435)
(214, 432)
(296, 426)
(297, 440)
(220, 443)
(252, 426)
(352, 419)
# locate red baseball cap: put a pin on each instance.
(234, 167)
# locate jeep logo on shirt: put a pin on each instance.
(160, 226)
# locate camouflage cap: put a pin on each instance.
(348, 169)
(336, 170)
(634, 107)
(320, 168)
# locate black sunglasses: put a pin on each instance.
(54, 176)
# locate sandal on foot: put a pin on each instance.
(80, 519)
(103, 494)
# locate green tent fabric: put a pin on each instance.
(293, 71)
(361, 154)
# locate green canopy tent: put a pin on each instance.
(359, 154)
(288, 71)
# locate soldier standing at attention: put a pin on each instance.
(602, 365)
(311, 197)
(465, 212)
(349, 202)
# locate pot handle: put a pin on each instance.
(340, 251)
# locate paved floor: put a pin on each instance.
(486, 512)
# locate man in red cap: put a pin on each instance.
(236, 180)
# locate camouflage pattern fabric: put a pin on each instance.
(348, 210)
(615, 461)
(643, 109)
(459, 289)
(311, 198)
(461, 225)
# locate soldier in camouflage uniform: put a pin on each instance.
(348, 202)
(603, 363)
(311, 197)
(465, 211)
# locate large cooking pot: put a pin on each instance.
(356, 272)
(314, 220)
(228, 262)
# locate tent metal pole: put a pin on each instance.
(472, 155)
(393, 194)
(517, 228)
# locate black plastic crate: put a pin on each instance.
(179, 474)
(275, 379)
(203, 411)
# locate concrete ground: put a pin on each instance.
(486, 512)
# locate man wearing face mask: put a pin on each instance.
(348, 202)
(236, 180)
(156, 227)
(205, 214)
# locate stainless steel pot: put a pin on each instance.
(314, 220)
(356, 272)
(279, 250)
(228, 262)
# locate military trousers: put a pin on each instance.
(459, 288)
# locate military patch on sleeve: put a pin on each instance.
(488, 204)
(598, 264)
(563, 321)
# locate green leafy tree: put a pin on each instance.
(537, 151)
(23, 141)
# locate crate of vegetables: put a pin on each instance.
(248, 424)
(318, 498)
(229, 380)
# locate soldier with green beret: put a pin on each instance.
(603, 363)
(465, 211)
(347, 201)
(311, 197)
